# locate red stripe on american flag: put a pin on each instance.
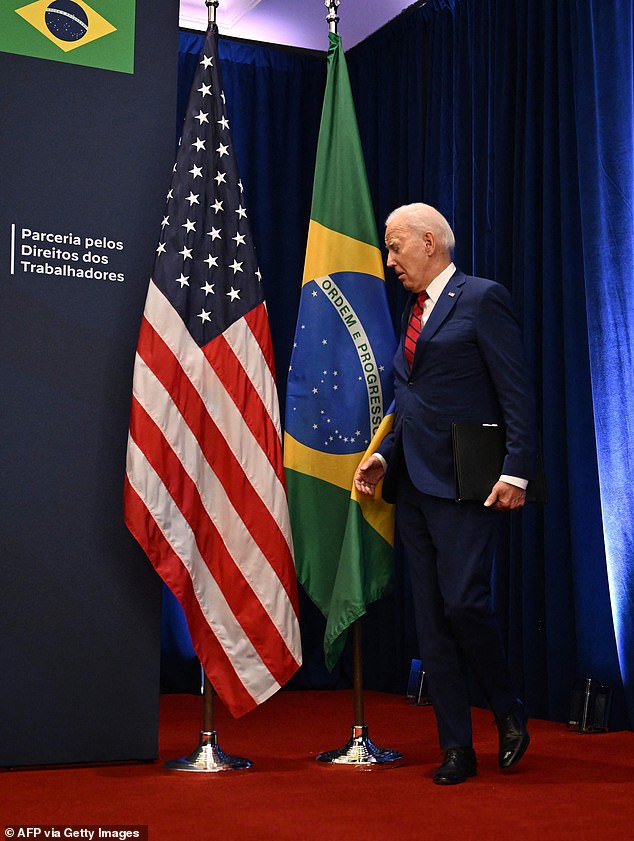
(256, 516)
(242, 600)
(258, 322)
(217, 665)
(231, 373)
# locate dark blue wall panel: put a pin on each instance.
(87, 153)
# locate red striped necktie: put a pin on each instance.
(414, 327)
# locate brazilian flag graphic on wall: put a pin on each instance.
(92, 33)
(340, 379)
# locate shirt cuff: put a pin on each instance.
(381, 459)
(514, 480)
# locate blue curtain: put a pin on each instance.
(514, 117)
(604, 112)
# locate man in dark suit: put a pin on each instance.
(460, 359)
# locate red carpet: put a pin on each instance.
(568, 786)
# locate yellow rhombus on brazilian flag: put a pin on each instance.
(340, 380)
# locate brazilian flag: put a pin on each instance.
(340, 380)
(91, 33)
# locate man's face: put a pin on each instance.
(407, 255)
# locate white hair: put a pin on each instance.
(421, 217)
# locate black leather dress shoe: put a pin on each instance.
(458, 764)
(514, 738)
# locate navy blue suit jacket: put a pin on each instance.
(468, 366)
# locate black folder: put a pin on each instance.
(479, 450)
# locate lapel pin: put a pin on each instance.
(451, 294)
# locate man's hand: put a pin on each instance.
(368, 475)
(505, 497)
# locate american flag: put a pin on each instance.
(204, 493)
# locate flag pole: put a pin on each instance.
(211, 15)
(357, 652)
(332, 17)
(208, 756)
(359, 751)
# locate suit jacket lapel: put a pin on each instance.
(442, 307)
(441, 310)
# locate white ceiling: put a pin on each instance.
(296, 23)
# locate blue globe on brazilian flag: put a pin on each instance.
(92, 34)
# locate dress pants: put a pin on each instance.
(449, 549)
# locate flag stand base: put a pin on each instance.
(208, 758)
(360, 752)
